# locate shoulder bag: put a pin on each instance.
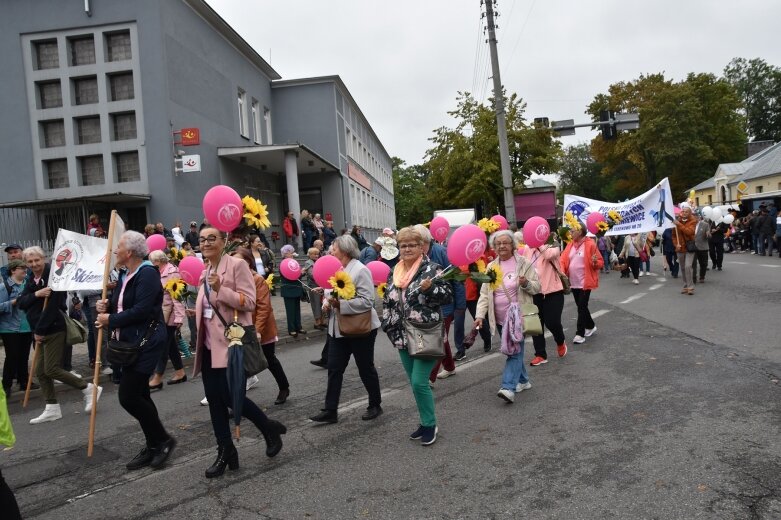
(530, 315)
(567, 288)
(690, 246)
(423, 340)
(125, 353)
(75, 331)
(354, 325)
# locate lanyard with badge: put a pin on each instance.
(208, 311)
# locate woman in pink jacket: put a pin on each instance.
(173, 314)
(582, 262)
(550, 300)
(228, 289)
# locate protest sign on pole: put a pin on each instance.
(651, 211)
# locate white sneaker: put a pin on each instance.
(641, 273)
(107, 371)
(52, 412)
(204, 402)
(252, 381)
(74, 373)
(88, 397)
(443, 374)
(636, 281)
(578, 339)
(523, 386)
(505, 394)
(591, 332)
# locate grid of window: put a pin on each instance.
(46, 55)
(52, 133)
(56, 173)
(124, 126)
(118, 46)
(127, 167)
(88, 130)
(82, 50)
(121, 86)
(49, 94)
(242, 105)
(85, 90)
(91, 170)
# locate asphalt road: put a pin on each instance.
(670, 411)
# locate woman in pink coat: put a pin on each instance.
(173, 314)
(227, 289)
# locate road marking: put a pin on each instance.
(739, 263)
(596, 314)
(632, 298)
(655, 286)
(767, 265)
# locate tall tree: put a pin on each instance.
(686, 129)
(759, 86)
(409, 193)
(580, 174)
(464, 160)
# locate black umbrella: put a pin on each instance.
(237, 379)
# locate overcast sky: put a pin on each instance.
(404, 60)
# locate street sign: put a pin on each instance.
(191, 163)
(629, 121)
(190, 137)
(563, 127)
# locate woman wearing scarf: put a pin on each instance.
(415, 293)
(518, 284)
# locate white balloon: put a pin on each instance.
(707, 212)
(729, 219)
(715, 214)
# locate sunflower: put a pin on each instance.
(602, 226)
(255, 213)
(478, 266)
(614, 215)
(381, 289)
(487, 225)
(571, 220)
(270, 281)
(494, 276)
(342, 285)
(176, 287)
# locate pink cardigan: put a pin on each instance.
(237, 291)
(549, 279)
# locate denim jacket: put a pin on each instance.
(12, 318)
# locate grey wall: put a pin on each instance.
(306, 114)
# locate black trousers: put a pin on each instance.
(170, 352)
(585, 321)
(274, 366)
(339, 352)
(634, 265)
(701, 258)
(717, 252)
(215, 385)
(324, 352)
(485, 332)
(17, 354)
(550, 306)
(8, 504)
(135, 399)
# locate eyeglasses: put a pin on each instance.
(497, 244)
(210, 239)
(408, 246)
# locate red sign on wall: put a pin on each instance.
(191, 136)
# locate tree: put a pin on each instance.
(463, 163)
(686, 130)
(759, 87)
(409, 193)
(580, 173)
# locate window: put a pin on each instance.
(255, 122)
(52, 133)
(91, 170)
(267, 120)
(85, 90)
(124, 126)
(49, 94)
(710, 200)
(46, 55)
(121, 86)
(697, 201)
(118, 46)
(56, 172)
(759, 189)
(88, 130)
(82, 50)
(127, 167)
(242, 104)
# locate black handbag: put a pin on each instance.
(125, 353)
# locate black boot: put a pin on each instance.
(226, 456)
(273, 436)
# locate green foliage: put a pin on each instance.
(409, 191)
(580, 174)
(686, 129)
(463, 163)
(759, 87)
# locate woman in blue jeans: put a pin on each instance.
(518, 284)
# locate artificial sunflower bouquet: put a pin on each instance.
(177, 288)
(255, 213)
(565, 230)
(342, 285)
(488, 226)
(612, 218)
(175, 255)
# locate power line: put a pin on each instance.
(518, 40)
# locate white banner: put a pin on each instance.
(78, 261)
(651, 211)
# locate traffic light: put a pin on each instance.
(607, 124)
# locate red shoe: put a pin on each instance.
(538, 361)
(562, 349)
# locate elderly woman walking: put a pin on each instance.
(683, 239)
(415, 293)
(173, 317)
(291, 291)
(517, 284)
(582, 262)
(340, 348)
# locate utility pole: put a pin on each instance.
(504, 151)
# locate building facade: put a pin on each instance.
(96, 95)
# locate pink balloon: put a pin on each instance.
(503, 224)
(223, 207)
(191, 268)
(155, 242)
(439, 228)
(324, 268)
(676, 210)
(379, 270)
(466, 245)
(592, 220)
(290, 269)
(536, 231)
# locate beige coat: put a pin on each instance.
(485, 305)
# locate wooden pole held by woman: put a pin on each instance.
(32, 370)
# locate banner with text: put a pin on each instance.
(651, 211)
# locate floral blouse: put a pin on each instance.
(421, 307)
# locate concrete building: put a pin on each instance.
(96, 94)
